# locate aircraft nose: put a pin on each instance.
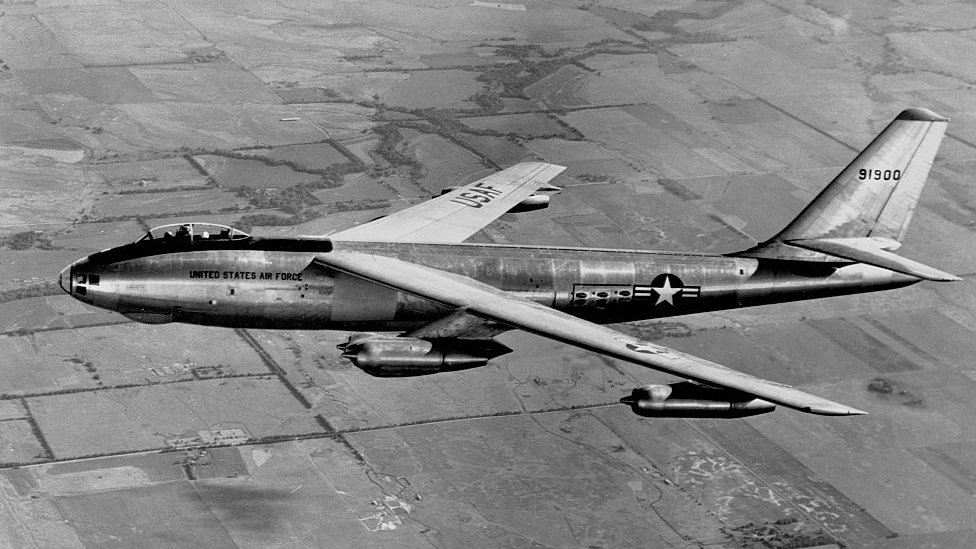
(64, 279)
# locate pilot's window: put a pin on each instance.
(81, 279)
(81, 290)
(94, 279)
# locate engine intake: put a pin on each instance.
(384, 356)
(686, 399)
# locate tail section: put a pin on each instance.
(865, 211)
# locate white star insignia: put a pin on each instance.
(645, 348)
(666, 293)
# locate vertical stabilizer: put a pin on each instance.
(873, 199)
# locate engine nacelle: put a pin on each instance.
(532, 203)
(384, 356)
(687, 399)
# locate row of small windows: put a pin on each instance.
(595, 297)
(584, 295)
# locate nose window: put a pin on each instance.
(82, 279)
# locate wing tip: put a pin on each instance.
(930, 273)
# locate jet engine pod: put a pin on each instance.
(384, 356)
(531, 204)
(686, 399)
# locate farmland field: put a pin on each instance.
(149, 416)
(156, 204)
(254, 174)
(429, 89)
(523, 125)
(164, 174)
(446, 164)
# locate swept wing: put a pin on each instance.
(482, 300)
(455, 216)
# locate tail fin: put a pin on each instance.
(865, 210)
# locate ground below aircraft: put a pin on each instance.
(411, 273)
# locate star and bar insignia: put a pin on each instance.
(667, 288)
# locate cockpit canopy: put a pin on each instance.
(193, 232)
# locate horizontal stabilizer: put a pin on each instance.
(873, 251)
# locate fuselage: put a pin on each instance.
(274, 283)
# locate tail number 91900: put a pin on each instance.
(878, 175)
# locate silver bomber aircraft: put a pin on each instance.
(411, 273)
